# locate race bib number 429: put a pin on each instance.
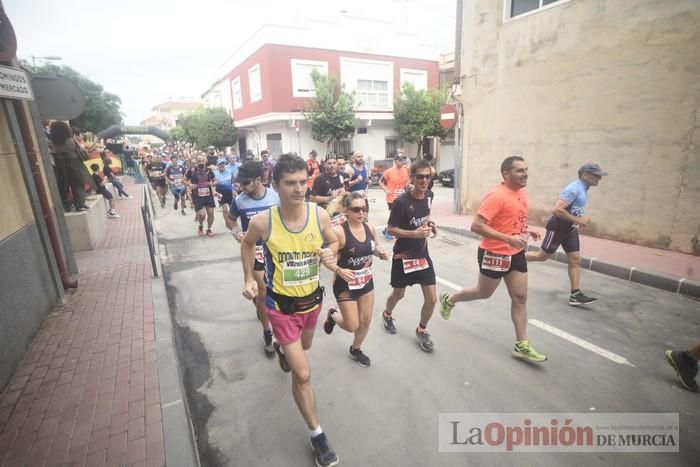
(300, 272)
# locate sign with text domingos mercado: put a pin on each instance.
(15, 84)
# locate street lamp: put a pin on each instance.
(47, 57)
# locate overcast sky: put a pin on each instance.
(148, 51)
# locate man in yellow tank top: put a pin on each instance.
(297, 237)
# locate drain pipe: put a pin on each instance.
(66, 279)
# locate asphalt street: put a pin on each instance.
(607, 358)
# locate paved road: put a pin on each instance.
(244, 414)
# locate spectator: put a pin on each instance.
(101, 189)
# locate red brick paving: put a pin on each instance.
(86, 391)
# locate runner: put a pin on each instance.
(224, 189)
(155, 171)
(293, 235)
(267, 165)
(175, 175)
(353, 285)
(313, 169)
(563, 226)
(394, 182)
(329, 184)
(357, 173)
(254, 198)
(410, 223)
(502, 222)
(685, 363)
(201, 181)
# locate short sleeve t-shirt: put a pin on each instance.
(409, 213)
(576, 194)
(396, 180)
(327, 186)
(246, 206)
(156, 170)
(201, 178)
(176, 174)
(224, 180)
(505, 210)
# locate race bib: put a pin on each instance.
(361, 279)
(339, 219)
(177, 180)
(203, 191)
(494, 262)
(259, 255)
(413, 265)
(156, 173)
(300, 272)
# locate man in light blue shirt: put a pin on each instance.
(563, 226)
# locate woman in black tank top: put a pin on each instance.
(353, 286)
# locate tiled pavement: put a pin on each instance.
(86, 392)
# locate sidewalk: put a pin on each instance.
(87, 391)
(624, 259)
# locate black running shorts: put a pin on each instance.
(568, 240)
(400, 279)
(517, 263)
(203, 202)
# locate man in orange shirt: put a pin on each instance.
(394, 182)
(313, 170)
(502, 223)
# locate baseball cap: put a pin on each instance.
(221, 161)
(250, 170)
(592, 168)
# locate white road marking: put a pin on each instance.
(580, 342)
(559, 333)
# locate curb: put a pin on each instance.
(178, 434)
(656, 280)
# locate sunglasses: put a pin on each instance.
(422, 176)
(357, 209)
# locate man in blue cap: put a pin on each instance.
(563, 226)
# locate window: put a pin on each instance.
(371, 93)
(236, 91)
(371, 80)
(519, 7)
(362, 131)
(302, 84)
(418, 78)
(391, 146)
(254, 83)
(274, 143)
(343, 146)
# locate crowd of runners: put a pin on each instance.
(292, 216)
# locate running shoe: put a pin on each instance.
(329, 324)
(113, 215)
(200, 230)
(685, 371)
(283, 360)
(579, 299)
(359, 357)
(175, 205)
(446, 305)
(183, 211)
(267, 338)
(524, 350)
(388, 323)
(387, 235)
(210, 233)
(323, 452)
(426, 345)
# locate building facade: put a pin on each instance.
(165, 115)
(266, 87)
(564, 82)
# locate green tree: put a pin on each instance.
(102, 108)
(417, 114)
(331, 113)
(206, 127)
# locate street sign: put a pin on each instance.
(448, 116)
(15, 84)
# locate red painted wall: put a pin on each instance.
(276, 75)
